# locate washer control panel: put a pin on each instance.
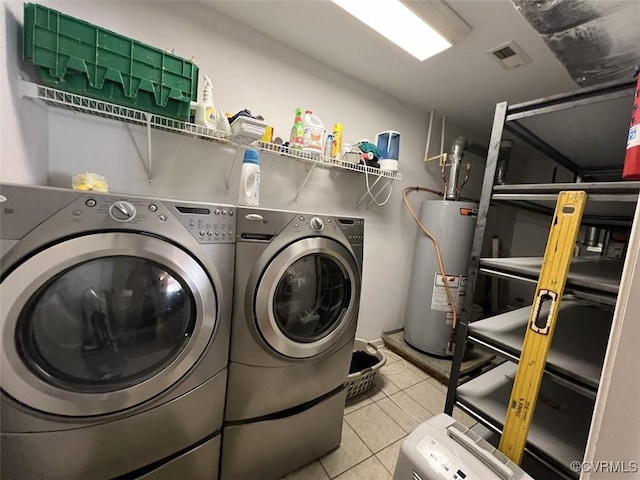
(121, 211)
(316, 223)
(206, 223)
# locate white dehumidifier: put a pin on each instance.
(442, 448)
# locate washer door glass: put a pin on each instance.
(106, 324)
(311, 298)
(99, 323)
(306, 297)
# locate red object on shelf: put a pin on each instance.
(631, 170)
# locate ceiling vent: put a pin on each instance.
(509, 55)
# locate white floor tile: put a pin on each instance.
(382, 382)
(313, 471)
(377, 429)
(438, 384)
(401, 377)
(428, 396)
(390, 356)
(405, 411)
(418, 371)
(352, 451)
(370, 469)
(389, 456)
(356, 402)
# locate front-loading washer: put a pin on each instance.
(114, 322)
(296, 300)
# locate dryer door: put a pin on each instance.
(102, 322)
(307, 297)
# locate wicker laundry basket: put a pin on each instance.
(360, 382)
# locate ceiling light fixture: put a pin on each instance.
(399, 24)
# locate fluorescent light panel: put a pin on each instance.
(396, 22)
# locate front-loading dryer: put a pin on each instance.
(296, 300)
(114, 324)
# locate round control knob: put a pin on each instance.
(122, 211)
(316, 223)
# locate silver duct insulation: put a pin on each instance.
(596, 40)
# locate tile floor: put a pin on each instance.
(374, 426)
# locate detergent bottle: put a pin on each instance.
(250, 179)
(206, 111)
(313, 133)
(297, 131)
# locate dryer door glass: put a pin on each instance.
(106, 324)
(311, 298)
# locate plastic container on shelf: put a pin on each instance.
(247, 130)
(297, 132)
(336, 145)
(250, 179)
(313, 133)
(81, 58)
(206, 110)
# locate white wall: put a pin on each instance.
(250, 71)
(616, 418)
(23, 123)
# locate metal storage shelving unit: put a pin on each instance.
(561, 424)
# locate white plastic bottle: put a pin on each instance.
(206, 111)
(250, 179)
(313, 133)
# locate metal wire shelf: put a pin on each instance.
(79, 103)
(82, 104)
(321, 160)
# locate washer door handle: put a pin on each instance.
(254, 217)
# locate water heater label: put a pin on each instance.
(458, 287)
(469, 212)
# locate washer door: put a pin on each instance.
(307, 297)
(103, 322)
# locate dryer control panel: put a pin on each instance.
(353, 228)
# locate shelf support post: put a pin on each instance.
(474, 262)
(304, 182)
(382, 189)
(149, 165)
(364, 195)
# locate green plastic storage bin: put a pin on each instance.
(78, 57)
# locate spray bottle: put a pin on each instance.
(206, 111)
(297, 132)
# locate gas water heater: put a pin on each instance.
(428, 322)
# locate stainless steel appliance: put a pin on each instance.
(296, 298)
(115, 317)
